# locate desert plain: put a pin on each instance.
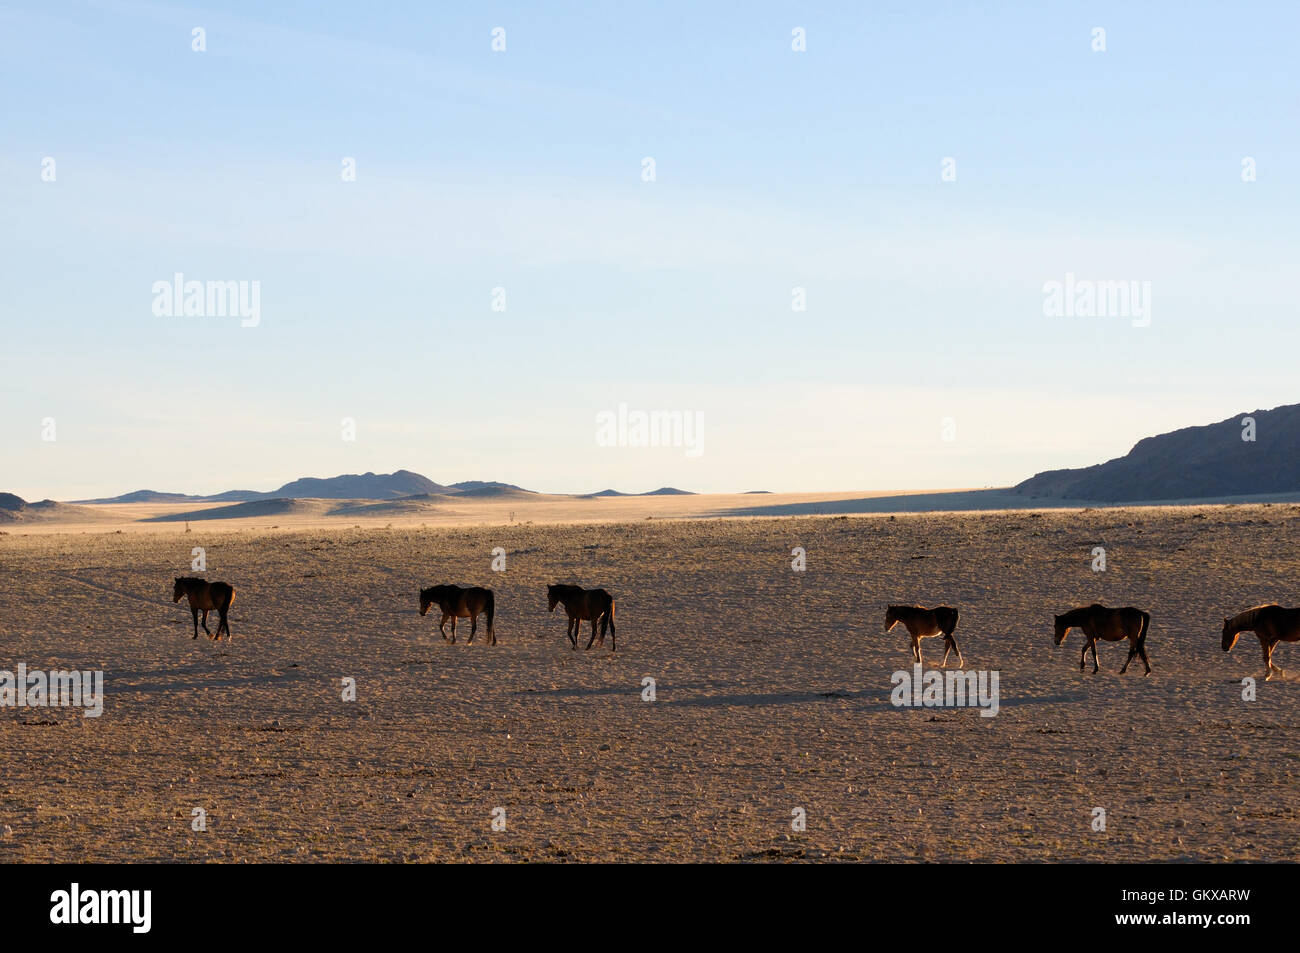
(771, 687)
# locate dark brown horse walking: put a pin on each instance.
(204, 597)
(595, 605)
(1271, 623)
(461, 603)
(1109, 625)
(923, 623)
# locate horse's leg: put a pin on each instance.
(916, 649)
(1142, 654)
(473, 627)
(1095, 668)
(194, 610)
(1268, 658)
(1132, 651)
(441, 623)
(593, 632)
(1084, 656)
(952, 641)
(572, 633)
(225, 623)
(205, 623)
(453, 630)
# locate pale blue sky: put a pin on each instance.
(522, 170)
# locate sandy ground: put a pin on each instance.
(772, 693)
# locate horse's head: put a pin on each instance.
(552, 597)
(1061, 629)
(426, 599)
(891, 617)
(178, 589)
(1229, 637)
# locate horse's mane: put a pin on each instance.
(1246, 620)
(1080, 611)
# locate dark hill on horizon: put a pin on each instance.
(14, 508)
(364, 486)
(402, 484)
(485, 486)
(662, 491)
(1192, 463)
(347, 486)
(152, 496)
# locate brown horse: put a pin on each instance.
(204, 597)
(461, 603)
(1271, 623)
(924, 623)
(1109, 625)
(595, 605)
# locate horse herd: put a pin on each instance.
(1271, 623)
(455, 602)
(580, 605)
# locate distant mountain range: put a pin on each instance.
(15, 508)
(1206, 462)
(1192, 463)
(403, 484)
(662, 491)
(348, 486)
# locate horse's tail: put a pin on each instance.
(609, 615)
(223, 610)
(1142, 635)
